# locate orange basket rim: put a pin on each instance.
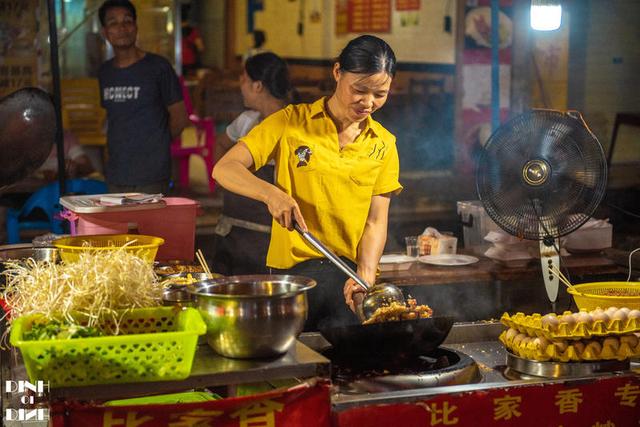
(63, 243)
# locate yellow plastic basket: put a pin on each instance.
(154, 344)
(589, 296)
(145, 247)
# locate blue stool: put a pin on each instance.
(47, 200)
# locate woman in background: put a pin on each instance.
(244, 230)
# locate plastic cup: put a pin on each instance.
(413, 250)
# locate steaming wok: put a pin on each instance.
(27, 133)
(407, 337)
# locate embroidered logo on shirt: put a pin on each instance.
(304, 154)
(378, 151)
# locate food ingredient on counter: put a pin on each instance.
(56, 330)
(95, 286)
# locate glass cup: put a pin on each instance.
(413, 250)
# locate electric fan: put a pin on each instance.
(540, 176)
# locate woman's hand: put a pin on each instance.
(351, 288)
(285, 209)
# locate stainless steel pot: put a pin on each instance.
(27, 250)
(253, 316)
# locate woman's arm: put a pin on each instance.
(371, 245)
(232, 172)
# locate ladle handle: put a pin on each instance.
(331, 256)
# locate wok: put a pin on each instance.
(407, 337)
(27, 133)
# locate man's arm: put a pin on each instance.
(178, 119)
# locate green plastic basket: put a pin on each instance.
(154, 344)
(166, 399)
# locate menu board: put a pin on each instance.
(18, 55)
(369, 16)
(403, 5)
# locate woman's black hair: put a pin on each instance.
(367, 55)
(272, 71)
(102, 12)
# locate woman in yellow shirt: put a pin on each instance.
(336, 169)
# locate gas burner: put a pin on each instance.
(441, 367)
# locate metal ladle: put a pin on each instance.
(375, 296)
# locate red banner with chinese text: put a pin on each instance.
(305, 405)
(611, 402)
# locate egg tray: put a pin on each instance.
(542, 350)
(532, 325)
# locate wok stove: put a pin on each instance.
(373, 374)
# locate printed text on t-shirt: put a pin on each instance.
(120, 93)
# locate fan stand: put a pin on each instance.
(550, 259)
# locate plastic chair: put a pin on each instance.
(47, 200)
(82, 113)
(205, 143)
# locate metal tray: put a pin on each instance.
(564, 369)
(91, 204)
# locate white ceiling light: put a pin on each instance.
(546, 15)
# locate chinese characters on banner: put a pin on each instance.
(600, 402)
(363, 16)
(307, 405)
(18, 35)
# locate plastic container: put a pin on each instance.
(476, 224)
(174, 220)
(589, 296)
(155, 344)
(591, 239)
(143, 246)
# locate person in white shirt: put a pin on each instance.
(244, 229)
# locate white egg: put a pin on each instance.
(620, 314)
(583, 317)
(611, 310)
(517, 340)
(511, 334)
(541, 343)
(634, 314)
(550, 322)
(600, 315)
(569, 319)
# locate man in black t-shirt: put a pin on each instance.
(145, 110)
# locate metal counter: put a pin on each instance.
(208, 370)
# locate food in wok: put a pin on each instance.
(397, 311)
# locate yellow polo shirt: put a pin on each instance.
(333, 187)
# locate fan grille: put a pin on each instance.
(542, 174)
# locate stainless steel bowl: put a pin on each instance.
(253, 316)
(22, 251)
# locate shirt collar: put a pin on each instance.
(319, 107)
